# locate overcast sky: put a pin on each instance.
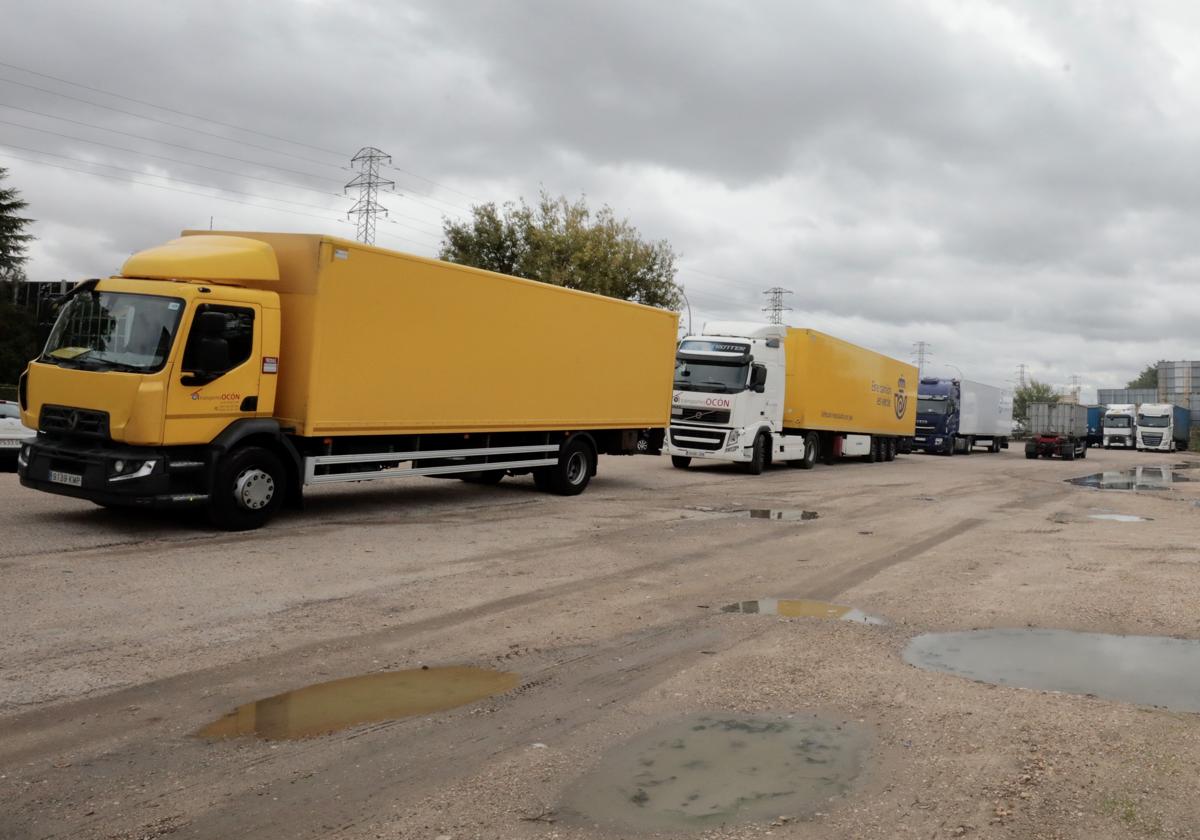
(1010, 182)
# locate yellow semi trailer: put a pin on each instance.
(756, 393)
(232, 370)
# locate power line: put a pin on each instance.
(436, 184)
(169, 123)
(164, 142)
(368, 182)
(1021, 369)
(170, 110)
(922, 351)
(775, 307)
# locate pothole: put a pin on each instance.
(801, 608)
(1119, 517)
(777, 514)
(713, 769)
(1147, 670)
(1136, 478)
(330, 706)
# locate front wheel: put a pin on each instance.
(680, 462)
(758, 457)
(248, 489)
(575, 467)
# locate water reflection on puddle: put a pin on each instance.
(776, 514)
(801, 608)
(330, 706)
(1150, 670)
(708, 770)
(1137, 478)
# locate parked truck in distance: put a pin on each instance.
(1120, 426)
(754, 393)
(1095, 433)
(1163, 427)
(1057, 429)
(230, 371)
(956, 415)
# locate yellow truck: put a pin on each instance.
(232, 370)
(757, 393)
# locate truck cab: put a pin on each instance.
(1157, 427)
(1120, 427)
(937, 416)
(147, 376)
(728, 396)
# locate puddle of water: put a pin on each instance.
(330, 706)
(1137, 478)
(1119, 517)
(801, 608)
(714, 769)
(777, 514)
(1149, 670)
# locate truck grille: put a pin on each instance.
(699, 415)
(65, 421)
(686, 438)
(1152, 440)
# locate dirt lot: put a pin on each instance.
(125, 635)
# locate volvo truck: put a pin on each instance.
(232, 371)
(1120, 426)
(956, 415)
(1162, 427)
(754, 394)
(1057, 429)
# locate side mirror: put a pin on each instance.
(758, 378)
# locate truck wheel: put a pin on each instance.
(570, 476)
(248, 490)
(680, 462)
(1068, 452)
(812, 446)
(758, 456)
(968, 446)
(1083, 452)
(1031, 454)
(872, 451)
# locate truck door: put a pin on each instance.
(215, 379)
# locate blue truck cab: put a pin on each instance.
(937, 416)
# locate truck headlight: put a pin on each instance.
(123, 470)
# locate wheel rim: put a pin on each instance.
(576, 467)
(254, 488)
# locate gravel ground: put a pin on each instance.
(125, 635)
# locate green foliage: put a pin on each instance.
(1034, 392)
(18, 337)
(13, 238)
(565, 244)
(1148, 378)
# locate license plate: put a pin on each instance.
(66, 478)
(5, 443)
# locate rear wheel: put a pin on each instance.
(873, 450)
(1031, 454)
(680, 462)
(1068, 452)
(812, 446)
(248, 489)
(889, 449)
(570, 476)
(758, 457)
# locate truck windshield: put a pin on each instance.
(929, 406)
(1118, 421)
(114, 331)
(1152, 422)
(710, 376)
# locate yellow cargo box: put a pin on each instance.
(833, 385)
(378, 342)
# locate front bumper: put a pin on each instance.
(169, 477)
(716, 442)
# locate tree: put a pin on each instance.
(13, 238)
(565, 244)
(1034, 392)
(18, 337)
(1148, 378)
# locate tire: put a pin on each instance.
(969, 446)
(248, 489)
(570, 476)
(680, 462)
(889, 449)
(1069, 453)
(1032, 456)
(873, 451)
(1083, 452)
(758, 457)
(812, 448)
(490, 477)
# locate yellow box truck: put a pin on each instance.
(232, 370)
(757, 393)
